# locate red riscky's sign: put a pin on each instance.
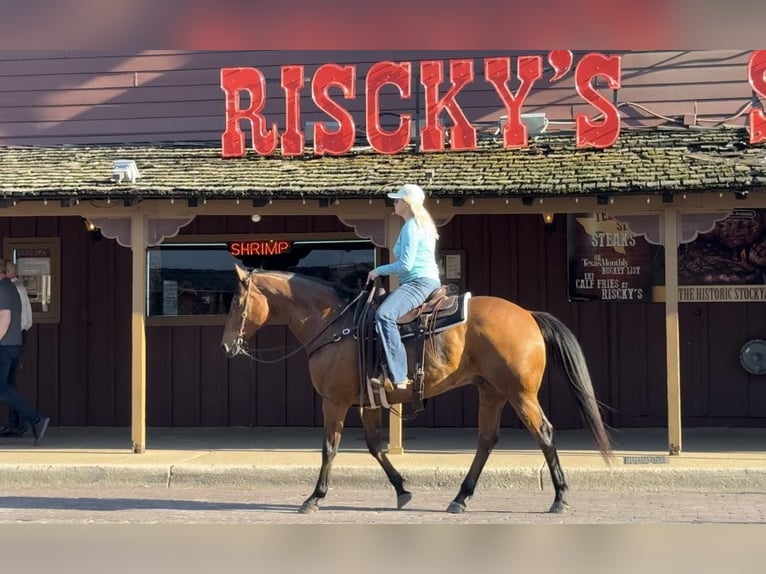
(756, 74)
(599, 130)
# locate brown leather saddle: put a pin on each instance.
(439, 312)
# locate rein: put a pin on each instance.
(243, 348)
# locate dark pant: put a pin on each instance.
(9, 356)
(14, 420)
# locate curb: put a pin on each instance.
(252, 476)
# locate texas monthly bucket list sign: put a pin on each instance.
(721, 257)
(607, 260)
(245, 90)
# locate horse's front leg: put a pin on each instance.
(371, 418)
(334, 415)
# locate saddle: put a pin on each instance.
(439, 312)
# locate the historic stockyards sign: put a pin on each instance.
(336, 136)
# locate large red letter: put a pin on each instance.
(462, 133)
(756, 73)
(497, 71)
(605, 132)
(341, 140)
(400, 75)
(292, 82)
(234, 81)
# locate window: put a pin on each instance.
(198, 278)
(38, 266)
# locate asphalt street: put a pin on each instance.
(369, 506)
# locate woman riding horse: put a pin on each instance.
(500, 349)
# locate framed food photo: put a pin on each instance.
(722, 257)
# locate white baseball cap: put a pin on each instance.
(410, 193)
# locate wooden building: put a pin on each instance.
(683, 148)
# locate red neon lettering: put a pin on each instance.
(400, 75)
(603, 133)
(497, 72)
(233, 82)
(292, 82)
(462, 133)
(756, 74)
(270, 247)
(341, 140)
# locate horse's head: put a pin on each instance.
(249, 311)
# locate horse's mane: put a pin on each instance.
(341, 291)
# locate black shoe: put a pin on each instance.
(39, 428)
(8, 432)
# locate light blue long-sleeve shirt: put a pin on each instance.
(415, 252)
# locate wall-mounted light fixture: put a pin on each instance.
(193, 201)
(536, 123)
(124, 169)
(89, 225)
(742, 194)
(548, 218)
(602, 199)
(67, 202)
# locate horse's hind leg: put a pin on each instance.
(371, 420)
(491, 403)
(531, 414)
(334, 415)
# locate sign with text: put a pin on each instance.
(726, 260)
(259, 247)
(607, 260)
(245, 98)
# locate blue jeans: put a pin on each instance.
(9, 355)
(402, 300)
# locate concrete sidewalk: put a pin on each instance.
(732, 460)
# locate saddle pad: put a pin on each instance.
(442, 322)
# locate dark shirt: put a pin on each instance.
(9, 299)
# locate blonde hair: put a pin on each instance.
(423, 218)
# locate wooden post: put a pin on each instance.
(138, 334)
(673, 347)
(395, 431)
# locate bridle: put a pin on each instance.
(241, 347)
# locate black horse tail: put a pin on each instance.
(561, 342)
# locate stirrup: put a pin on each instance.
(380, 383)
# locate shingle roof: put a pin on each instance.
(650, 161)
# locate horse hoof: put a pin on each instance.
(308, 507)
(403, 499)
(456, 507)
(559, 507)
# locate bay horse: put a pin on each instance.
(501, 349)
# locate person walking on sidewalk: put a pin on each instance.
(16, 427)
(416, 270)
(10, 350)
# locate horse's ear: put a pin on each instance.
(241, 273)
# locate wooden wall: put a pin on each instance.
(120, 97)
(78, 371)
